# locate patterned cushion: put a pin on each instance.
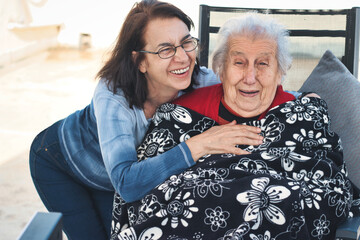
(341, 90)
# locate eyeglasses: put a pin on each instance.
(169, 51)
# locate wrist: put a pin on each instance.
(195, 148)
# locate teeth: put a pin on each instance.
(180, 71)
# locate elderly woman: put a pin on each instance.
(291, 186)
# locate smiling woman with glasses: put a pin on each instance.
(78, 162)
(169, 51)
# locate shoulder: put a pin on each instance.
(283, 96)
(103, 93)
(110, 105)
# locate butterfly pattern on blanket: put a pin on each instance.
(293, 186)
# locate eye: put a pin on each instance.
(187, 42)
(263, 64)
(166, 51)
(239, 61)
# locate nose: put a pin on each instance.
(250, 75)
(180, 54)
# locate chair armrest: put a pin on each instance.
(43, 226)
(349, 230)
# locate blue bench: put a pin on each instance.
(43, 226)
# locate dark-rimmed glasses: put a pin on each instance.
(169, 51)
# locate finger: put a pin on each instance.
(240, 131)
(238, 135)
(254, 136)
(229, 149)
(244, 141)
(249, 141)
(249, 128)
(239, 151)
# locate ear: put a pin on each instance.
(141, 66)
(220, 74)
(221, 77)
(279, 78)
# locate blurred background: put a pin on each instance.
(50, 52)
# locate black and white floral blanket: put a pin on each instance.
(293, 186)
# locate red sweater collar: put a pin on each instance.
(206, 100)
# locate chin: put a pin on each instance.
(185, 85)
(251, 111)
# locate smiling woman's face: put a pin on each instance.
(251, 75)
(167, 76)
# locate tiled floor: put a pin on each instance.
(34, 93)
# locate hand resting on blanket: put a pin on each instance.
(224, 139)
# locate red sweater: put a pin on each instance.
(206, 101)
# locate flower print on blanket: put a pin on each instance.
(292, 186)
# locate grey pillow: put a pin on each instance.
(341, 90)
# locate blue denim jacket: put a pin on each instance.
(101, 140)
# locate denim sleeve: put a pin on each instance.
(120, 131)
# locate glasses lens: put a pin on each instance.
(169, 51)
(190, 45)
(166, 52)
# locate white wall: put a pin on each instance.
(19, 37)
(102, 19)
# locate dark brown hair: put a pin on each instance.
(121, 70)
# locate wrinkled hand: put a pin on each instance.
(223, 139)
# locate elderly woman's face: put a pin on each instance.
(250, 76)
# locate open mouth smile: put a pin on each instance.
(180, 71)
(248, 92)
